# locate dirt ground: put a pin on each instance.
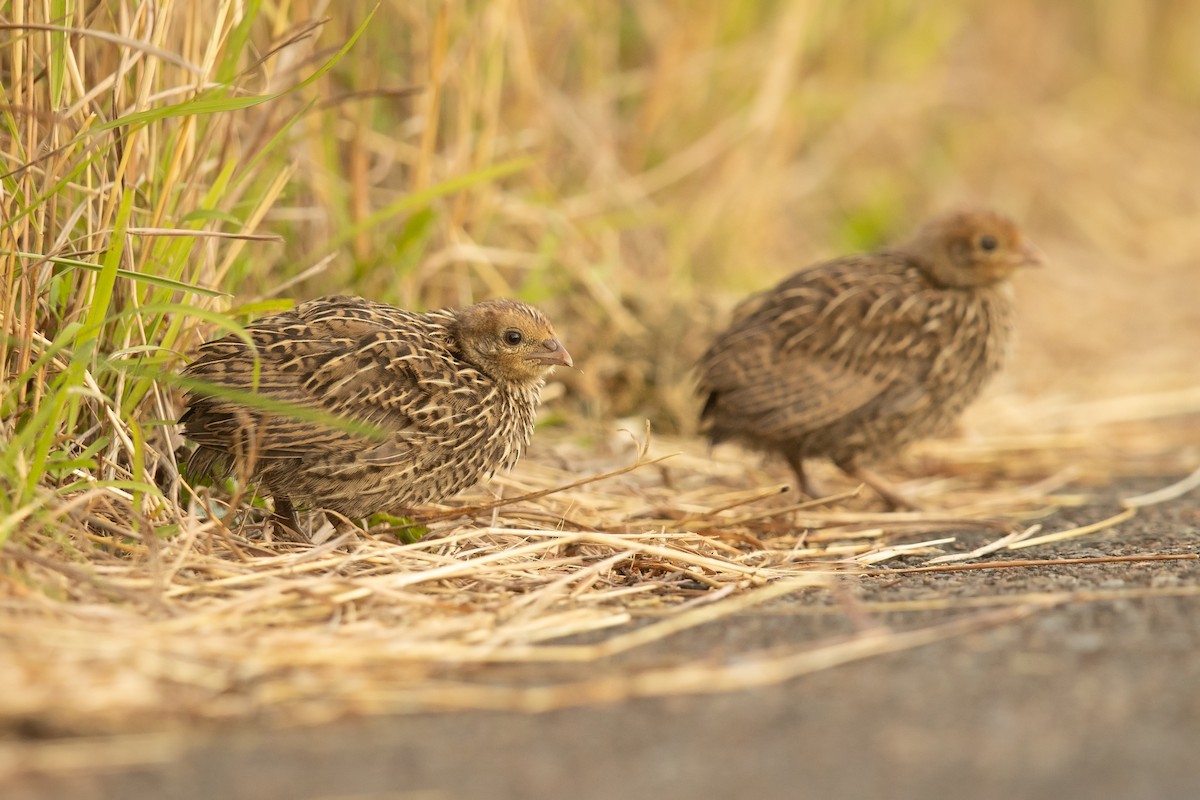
(1096, 697)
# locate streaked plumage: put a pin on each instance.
(454, 390)
(853, 358)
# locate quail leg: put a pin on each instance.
(285, 515)
(796, 462)
(891, 495)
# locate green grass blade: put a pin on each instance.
(126, 274)
(422, 198)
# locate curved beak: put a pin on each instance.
(553, 354)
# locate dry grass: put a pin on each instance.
(633, 169)
(219, 623)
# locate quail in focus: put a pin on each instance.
(452, 395)
(852, 358)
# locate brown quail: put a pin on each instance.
(453, 391)
(852, 358)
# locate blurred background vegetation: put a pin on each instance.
(633, 167)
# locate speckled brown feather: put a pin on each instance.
(853, 358)
(456, 405)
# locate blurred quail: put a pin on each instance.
(852, 358)
(454, 392)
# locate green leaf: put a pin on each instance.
(420, 199)
(405, 529)
(254, 400)
(128, 274)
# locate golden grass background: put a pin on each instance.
(634, 169)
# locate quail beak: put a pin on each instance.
(552, 354)
(1030, 255)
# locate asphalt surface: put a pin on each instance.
(1098, 698)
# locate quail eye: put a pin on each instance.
(513, 337)
(988, 242)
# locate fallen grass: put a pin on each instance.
(106, 630)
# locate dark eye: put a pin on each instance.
(988, 242)
(513, 337)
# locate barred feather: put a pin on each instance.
(456, 399)
(853, 358)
